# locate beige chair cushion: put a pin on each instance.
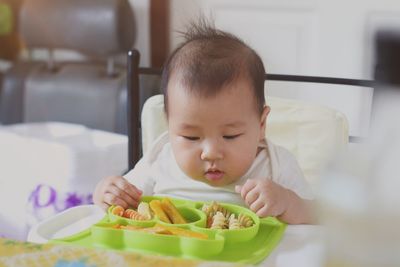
(311, 132)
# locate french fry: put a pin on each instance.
(162, 230)
(156, 229)
(171, 211)
(156, 207)
(130, 227)
(182, 232)
(116, 226)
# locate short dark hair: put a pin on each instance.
(211, 58)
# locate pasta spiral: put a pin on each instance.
(234, 223)
(245, 220)
(134, 215)
(219, 221)
(118, 210)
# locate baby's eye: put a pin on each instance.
(191, 138)
(230, 137)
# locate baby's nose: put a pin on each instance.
(211, 152)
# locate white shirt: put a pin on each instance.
(157, 173)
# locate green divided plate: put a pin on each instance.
(245, 245)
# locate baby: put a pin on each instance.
(215, 147)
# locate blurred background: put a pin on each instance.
(63, 79)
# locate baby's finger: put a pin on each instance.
(238, 188)
(247, 187)
(104, 206)
(116, 191)
(257, 205)
(252, 196)
(112, 199)
(129, 188)
(264, 211)
(268, 210)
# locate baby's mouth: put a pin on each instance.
(214, 175)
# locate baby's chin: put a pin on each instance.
(223, 181)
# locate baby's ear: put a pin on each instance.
(263, 121)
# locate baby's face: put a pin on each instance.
(215, 139)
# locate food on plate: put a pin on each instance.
(183, 232)
(219, 221)
(130, 213)
(144, 209)
(171, 211)
(118, 210)
(134, 215)
(233, 223)
(165, 210)
(245, 220)
(218, 217)
(156, 207)
(212, 209)
(162, 230)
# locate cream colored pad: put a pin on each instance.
(311, 132)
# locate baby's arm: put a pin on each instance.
(267, 198)
(298, 211)
(116, 190)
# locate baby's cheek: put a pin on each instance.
(188, 163)
(242, 163)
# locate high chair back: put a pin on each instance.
(311, 132)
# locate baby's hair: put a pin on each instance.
(209, 59)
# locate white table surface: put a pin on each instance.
(301, 246)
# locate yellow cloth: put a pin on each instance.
(16, 253)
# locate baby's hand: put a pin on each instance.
(264, 197)
(116, 190)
